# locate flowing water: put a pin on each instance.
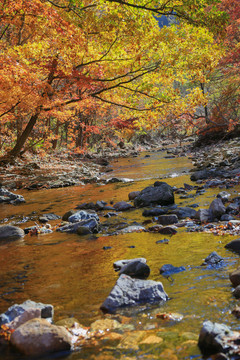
(75, 274)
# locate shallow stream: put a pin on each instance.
(75, 274)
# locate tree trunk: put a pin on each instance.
(15, 152)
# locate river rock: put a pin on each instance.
(216, 209)
(184, 212)
(224, 196)
(215, 338)
(133, 194)
(235, 277)
(16, 310)
(118, 265)
(136, 269)
(234, 245)
(68, 214)
(202, 215)
(168, 219)
(27, 315)
(159, 194)
(10, 233)
(169, 269)
(48, 217)
(213, 259)
(129, 292)
(83, 215)
(38, 337)
(92, 224)
(236, 292)
(154, 212)
(233, 208)
(8, 197)
(122, 206)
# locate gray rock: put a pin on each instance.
(130, 229)
(10, 198)
(10, 233)
(226, 217)
(122, 206)
(50, 217)
(213, 259)
(38, 337)
(214, 338)
(160, 194)
(83, 215)
(92, 224)
(132, 195)
(233, 208)
(234, 245)
(118, 265)
(236, 292)
(154, 212)
(224, 196)
(129, 292)
(235, 277)
(136, 269)
(168, 219)
(184, 212)
(68, 214)
(16, 310)
(202, 215)
(216, 209)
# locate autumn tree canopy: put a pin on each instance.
(62, 60)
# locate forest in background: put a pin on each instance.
(76, 75)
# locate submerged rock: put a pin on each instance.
(159, 194)
(38, 337)
(213, 259)
(169, 269)
(10, 233)
(129, 292)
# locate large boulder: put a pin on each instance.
(159, 194)
(217, 338)
(38, 337)
(129, 292)
(14, 311)
(10, 233)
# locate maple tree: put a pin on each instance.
(61, 59)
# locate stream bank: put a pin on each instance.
(35, 267)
